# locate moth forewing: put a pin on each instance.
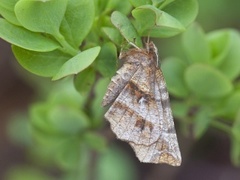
(140, 113)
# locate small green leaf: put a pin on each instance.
(219, 43)
(180, 109)
(202, 120)
(229, 106)
(73, 158)
(122, 23)
(95, 141)
(137, 3)
(231, 64)
(39, 118)
(7, 11)
(173, 69)
(113, 34)
(119, 5)
(107, 60)
(68, 120)
(99, 91)
(123, 167)
(84, 81)
(77, 21)
(23, 38)
(68, 154)
(44, 64)
(41, 16)
(78, 63)
(184, 11)
(196, 45)
(207, 82)
(153, 22)
(158, 2)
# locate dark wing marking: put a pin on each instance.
(118, 82)
(165, 149)
(133, 115)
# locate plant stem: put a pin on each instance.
(221, 126)
(66, 47)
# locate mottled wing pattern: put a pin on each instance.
(141, 113)
(165, 149)
(118, 82)
(142, 116)
(132, 115)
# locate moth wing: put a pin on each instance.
(118, 82)
(133, 115)
(165, 149)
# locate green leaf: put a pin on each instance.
(41, 16)
(207, 82)
(201, 120)
(107, 60)
(97, 112)
(39, 118)
(95, 141)
(44, 64)
(78, 63)
(123, 167)
(156, 23)
(230, 66)
(229, 106)
(62, 108)
(195, 45)
(113, 34)
(180, 109)
(219, 43)
(119, 5)
(7, 11)
(173, 69)
(23, 38)
(77, 21)
(63, 92)
(68, 120)
(68, 155)
(73, 159)
(184, 11)
(84, 81)
(137, 3)
(122, 23)
(156, 3)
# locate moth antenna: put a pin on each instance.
(147, 44)
(132, 44)
(148, 39)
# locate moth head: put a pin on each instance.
(131, 56)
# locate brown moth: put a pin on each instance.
(140, 112)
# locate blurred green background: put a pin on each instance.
(206, 158)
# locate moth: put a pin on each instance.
(140, 112)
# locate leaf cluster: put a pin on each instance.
(159, 19)
(58, 38)
(46, 35)
(206, 84)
